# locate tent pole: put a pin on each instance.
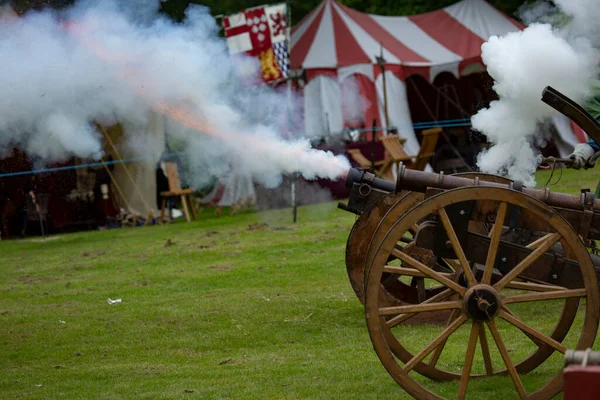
(135, 186)
(374, 135)
(381, 63)
(114, 182)
(288, 38)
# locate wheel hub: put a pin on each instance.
(482, 302)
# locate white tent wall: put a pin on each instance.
(398, 109)
(239, 189)
(140, 142)
(322, 107)
(323, 104)
(566, 140)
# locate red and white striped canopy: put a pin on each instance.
(334, 36)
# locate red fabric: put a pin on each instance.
(382, 36)
(450, 33)
(271, 71)
(349, 51)
(465, 63)
(329, 72)
(302, 47)
(581, 383)
(368, 92)
(218, 196)
(579, 133)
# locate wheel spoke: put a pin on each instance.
(457, 247)
(485, 350)
(533, 287)
(506, 358)
(554, 295)
(511, 319)
(494, 244)
(438, 350)
(442, 336)
(390, 269)
(527, 261)
(451, 264)
(419, 308)
(403, 317)
(403, 271)
(405, 258)
(534, 339)
(534, 245)
(466, 373)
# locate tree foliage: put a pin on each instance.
(176, 8)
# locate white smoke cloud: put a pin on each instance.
(522, 64)
(354, 104)
(112, 61)
(585, 15)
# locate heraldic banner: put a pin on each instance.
(261, 32)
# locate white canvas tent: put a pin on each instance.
(334, 43)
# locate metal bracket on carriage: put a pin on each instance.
(362, 196)
(558, 267)
(587, 203)
(515, 211)
(365, 189)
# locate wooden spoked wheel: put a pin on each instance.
(395, 292)
(364, 228)
(486, 303)
(370, 227)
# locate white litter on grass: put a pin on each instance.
(177, 213)
(60, 321)
(115, 301)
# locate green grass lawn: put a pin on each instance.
(243, 307)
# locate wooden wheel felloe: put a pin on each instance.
(483, 299)
(364, 228)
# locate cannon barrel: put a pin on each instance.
(419, 181)
(585, 357)
(356, 175)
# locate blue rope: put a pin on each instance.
(449, 123)
(70, 167)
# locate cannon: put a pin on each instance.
(472, 254)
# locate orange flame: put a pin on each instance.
(181, 113)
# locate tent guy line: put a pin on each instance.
(72, 167)
(421, 125)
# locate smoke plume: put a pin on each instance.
(110, 61)
(522, 64)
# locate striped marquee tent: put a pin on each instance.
(334, 43)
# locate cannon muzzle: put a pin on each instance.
(361, 176)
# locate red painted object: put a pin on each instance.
(581, 383)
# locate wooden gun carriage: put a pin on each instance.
(474, 253)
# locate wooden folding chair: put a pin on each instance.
(394, 151)
(427, 151)
(175, 190)
(397, 154)
(363, 161)
(381, 167)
